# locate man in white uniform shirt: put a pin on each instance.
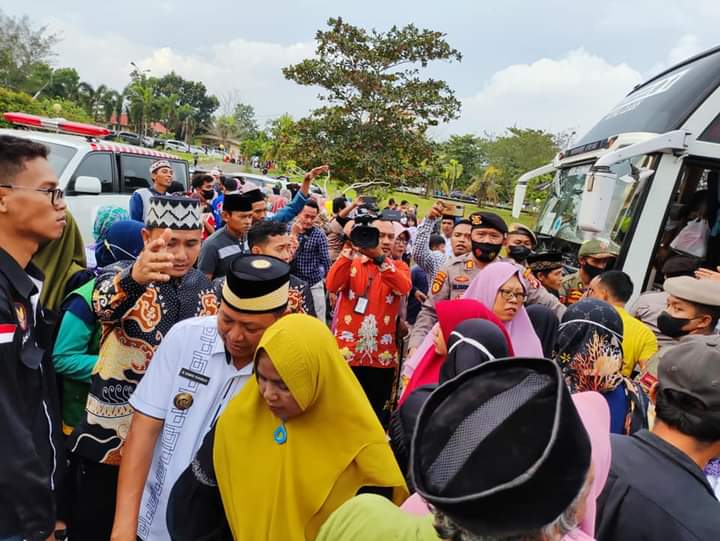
(199, 367)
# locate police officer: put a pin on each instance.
(520, 243)
(32, 212)
(488, 236)
(595, 257)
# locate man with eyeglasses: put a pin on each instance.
(32, 212)
(488, 234)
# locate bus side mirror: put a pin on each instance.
(88, 185)
(518, 199)
(595, 200)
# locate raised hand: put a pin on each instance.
(154, 261)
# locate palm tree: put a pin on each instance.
(453, 170)
(109, 104)
(92, 98)
(484, 186)
(141, 93)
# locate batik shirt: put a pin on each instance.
(134, 319)
(368, 338)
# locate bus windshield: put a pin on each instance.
(558, 218)
(662, 104)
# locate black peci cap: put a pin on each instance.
(236, 202)
(499, 434)
(256, 284)
(545, 261)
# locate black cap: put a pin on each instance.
(254, 194)
(545, 261)
(257, 284)
(236, 201)
(488, 219)
(503, 432)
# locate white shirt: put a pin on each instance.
(191, 359)
(448, 247)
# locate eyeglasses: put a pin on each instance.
(509, 295)
(56, 194)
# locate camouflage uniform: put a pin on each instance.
(572, 288)
(454, 278)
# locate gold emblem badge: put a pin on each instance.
(476, 219)
(183, 401)
(21, 314)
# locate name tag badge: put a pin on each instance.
(194, 376)
(361, 305)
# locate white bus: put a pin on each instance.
(647, 169)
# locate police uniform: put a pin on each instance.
(192, 378)
(454, 278)
(573, 288)
(31, 456)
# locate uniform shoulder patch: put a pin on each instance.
(469, 264)
(438, 282)
(530, 277)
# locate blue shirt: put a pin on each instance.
(312, 259)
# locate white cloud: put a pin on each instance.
(571, 92)
(250, 70)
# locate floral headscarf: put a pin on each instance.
(105, 217)
(589, 347)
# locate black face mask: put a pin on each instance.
(592, 271)
(672, 326)
(208, 194)
(485, 251)
(519, 253)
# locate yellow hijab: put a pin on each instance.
(274, 492)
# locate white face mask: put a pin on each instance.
(472, 342)
(616, 335)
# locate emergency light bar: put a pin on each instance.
(56, 124)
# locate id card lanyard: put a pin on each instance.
(362, 302)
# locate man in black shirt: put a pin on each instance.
(32, 212)
(656, 488)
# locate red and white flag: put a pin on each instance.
(7, 332)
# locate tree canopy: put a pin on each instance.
(377, 106)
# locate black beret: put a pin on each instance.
(488, 219)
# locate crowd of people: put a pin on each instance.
(223, 363)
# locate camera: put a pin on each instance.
(363, 235)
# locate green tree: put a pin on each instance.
(377, 106)
(484, 186)
(452, 171)
(284, 141)
(23, 48)
(225, 128)
(470, 151)
(247, 126)
(515, 153)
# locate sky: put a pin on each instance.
(550, 64)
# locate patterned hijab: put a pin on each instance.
(589, 347)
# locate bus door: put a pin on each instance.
(691, 228)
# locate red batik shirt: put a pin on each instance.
(368, 339)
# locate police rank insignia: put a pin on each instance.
(21, 314)
(183, 401)
(438, 282)
(469, 264)
(476, 219)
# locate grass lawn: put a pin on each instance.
(424, 204)
(334, 189)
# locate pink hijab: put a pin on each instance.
(595, 414)
(484, 288)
